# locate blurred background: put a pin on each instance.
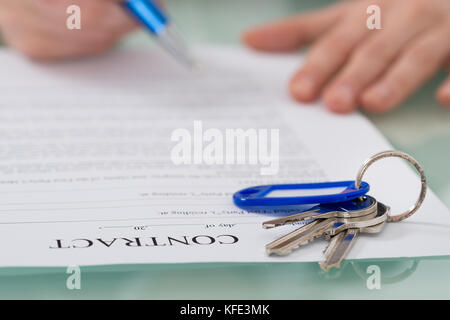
(419, 127)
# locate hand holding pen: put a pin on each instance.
(38, 28)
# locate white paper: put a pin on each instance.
(85, 153)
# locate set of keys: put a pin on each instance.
(338, 217)
(337, 223)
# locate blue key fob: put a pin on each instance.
(281, 195)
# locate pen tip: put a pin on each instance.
(172, 41)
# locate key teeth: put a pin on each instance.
(290, 249)
(280, 249)
(277, 252)
(284, 252)
(290, 219)
(304, 243)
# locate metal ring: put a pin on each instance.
(407, 157)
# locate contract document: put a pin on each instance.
(93, 170)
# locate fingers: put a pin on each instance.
(38, 44)
(38, 29)
(289, 34)
(372, 57)
(98, 15)
(114, 19)
(418, 63)
(327, 55)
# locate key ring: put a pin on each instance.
(407, 157)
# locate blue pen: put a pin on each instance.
(151, 16)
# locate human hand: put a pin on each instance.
(350, 65)
(37, 28)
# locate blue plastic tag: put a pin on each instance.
(280, 195)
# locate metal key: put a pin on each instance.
(301, 236)
(360, 222)
(342, 242)
(348, 209)
(321, 227)
(316, 229)
(371, 230)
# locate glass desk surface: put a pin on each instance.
(420, 127)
